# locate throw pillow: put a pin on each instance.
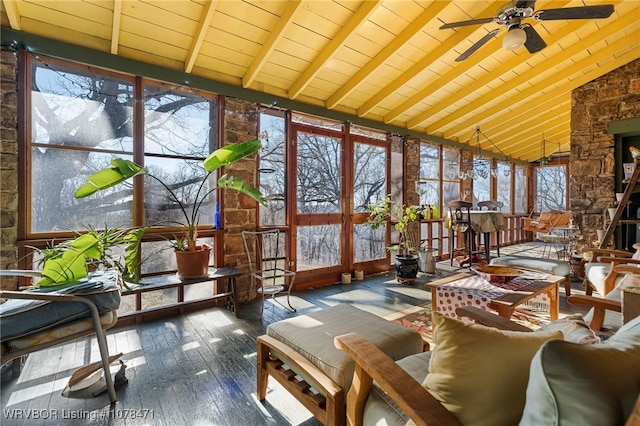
(574, 384)
(574, 329)
(480, 373)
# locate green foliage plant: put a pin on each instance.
(122, 170)
(384, 210)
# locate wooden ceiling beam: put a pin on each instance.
(115, 26)
(530, 150)
(559, 83)
(460, 35)
(198, 37)
(275, 35)
(362, 14)
(562, 57)
(386, 53)
(511, 81)
(505, 68)
(12, 9)
(525, 113)
(536, 131)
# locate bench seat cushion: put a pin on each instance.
(555, 267)
(312, 335)
(22, 317)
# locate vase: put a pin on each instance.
(612, 212)
(407, 268)
(193, 264)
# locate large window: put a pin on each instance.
(503, 178)
(81, 121)
(551, 188)
(272, 169)
(481, 181)
(429, 185)
(520, 189)
(83, 118)
(451, 175)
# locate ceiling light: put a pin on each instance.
(514, 38)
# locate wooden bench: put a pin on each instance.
(229, 293)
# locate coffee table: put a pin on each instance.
(466, 289)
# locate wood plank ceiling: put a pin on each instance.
(384, 60)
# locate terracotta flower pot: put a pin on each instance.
(193, 264)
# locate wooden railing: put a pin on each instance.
(434, 234)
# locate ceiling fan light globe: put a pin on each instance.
(514, 39)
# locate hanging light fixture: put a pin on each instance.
(544, 160)
(514, 38)
(480, 166)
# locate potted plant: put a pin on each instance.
(404, 217)
(188, 253)
(72, 260)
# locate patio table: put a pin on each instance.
(536, 289)
(483, 222)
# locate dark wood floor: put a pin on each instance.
(196, 369)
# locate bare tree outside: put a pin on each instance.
(369, 186)
(551, 188)
(272, 175)
(82, 120)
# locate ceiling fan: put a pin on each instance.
(511, 16)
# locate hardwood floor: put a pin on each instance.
(196, 369)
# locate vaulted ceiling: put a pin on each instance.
(383, 60)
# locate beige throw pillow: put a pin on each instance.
(479, 373)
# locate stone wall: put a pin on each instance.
(612, 97)
(8, 166)
(240, 124)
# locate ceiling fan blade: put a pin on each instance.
(534, 42)
(525, 4)
(478, 45)
(465, 23)
(584, 12)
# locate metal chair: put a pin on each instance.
(496, 206)
(459, 216)
(59, 332)
(266, 265)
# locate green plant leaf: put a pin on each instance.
(240, 185)
(119, 171)
(132, 250)
(68, 268)
(230, 153)
(87, 245)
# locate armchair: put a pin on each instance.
(606, 268)
(40, 319)
(555, 389)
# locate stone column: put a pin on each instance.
(240, 125)
(9, 166)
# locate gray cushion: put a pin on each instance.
(573, 384)
(312, 335)
(380, 409)
(21, 317)
(555, 267)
